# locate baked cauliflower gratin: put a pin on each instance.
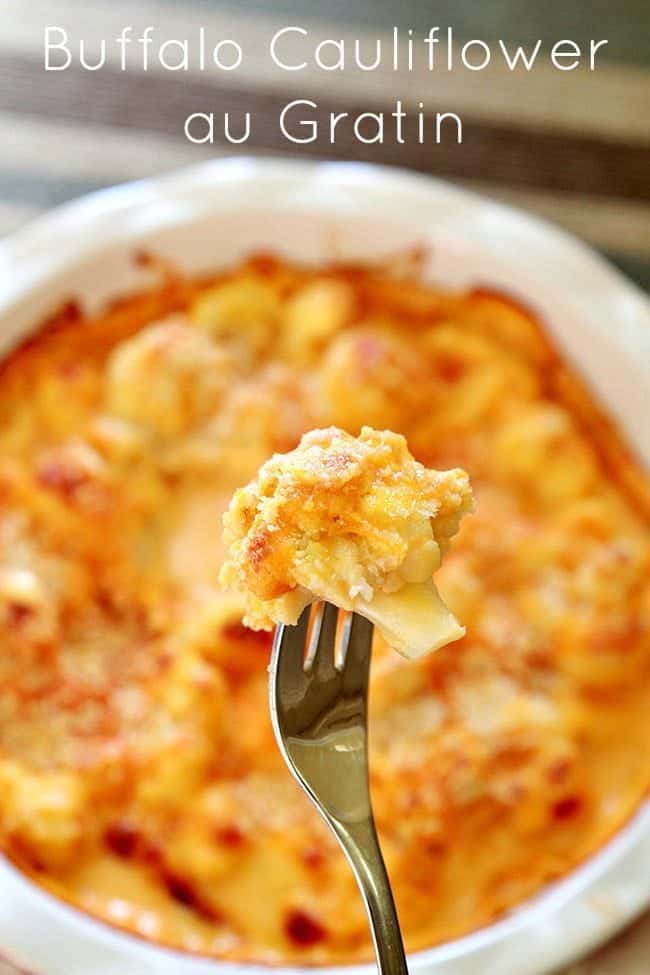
(139, 776)
(356, 522)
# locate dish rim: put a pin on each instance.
(29, 259)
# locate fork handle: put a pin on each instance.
(361, 846)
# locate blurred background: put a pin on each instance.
(571, 146)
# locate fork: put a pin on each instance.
(319, 709)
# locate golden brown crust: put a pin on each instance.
(341, 519)
(128, 682)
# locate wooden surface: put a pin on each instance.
(572, 147)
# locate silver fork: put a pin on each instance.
(319, 713)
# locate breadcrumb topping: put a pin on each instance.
(343, 519)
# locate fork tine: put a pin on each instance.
(314, 634)
(320, 655)
(288, 655)
(356, 642)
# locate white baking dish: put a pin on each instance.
(212, 215)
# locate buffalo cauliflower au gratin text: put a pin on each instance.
(139, 776)
(354, 521)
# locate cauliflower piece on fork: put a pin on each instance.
(354, 521)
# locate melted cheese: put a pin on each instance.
(138, 770)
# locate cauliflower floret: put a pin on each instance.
(243, 312)
(43, 812)
(176, 748)
(370, 375)
(312, 316)
(257, 417)
(77, 474)
(544, 438)
(354, 521)
(168, 378)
